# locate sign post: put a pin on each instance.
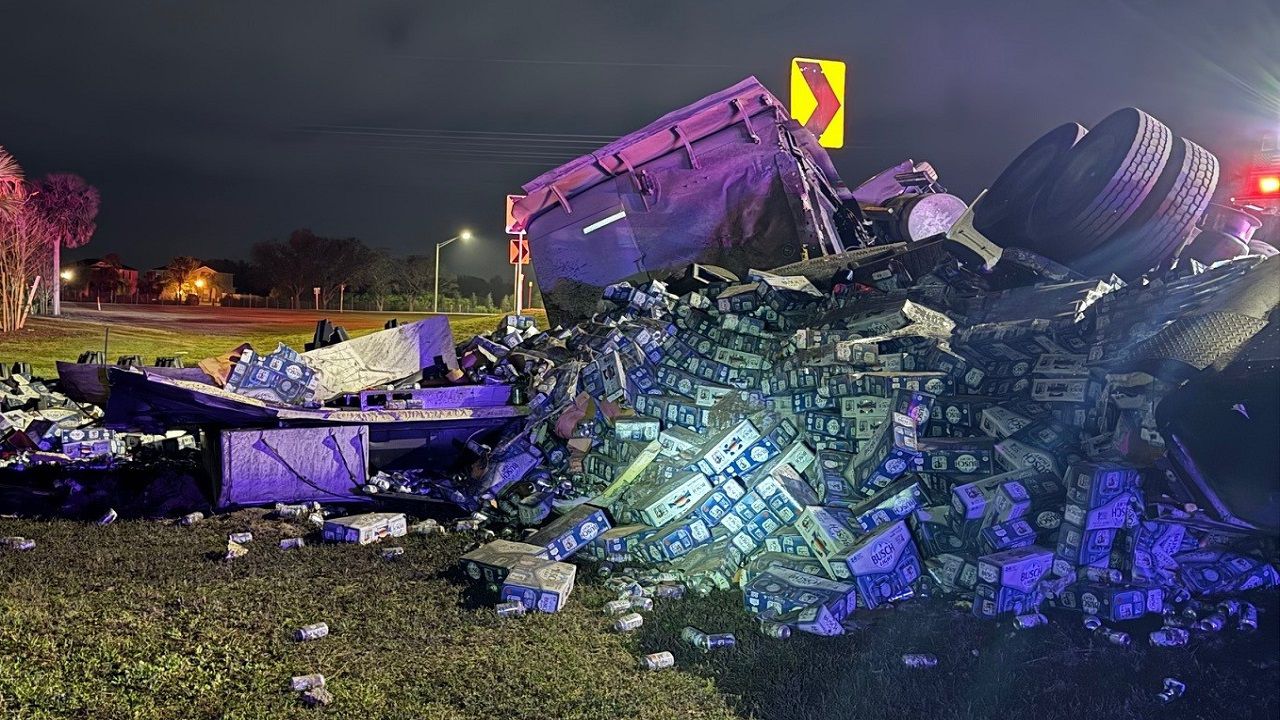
(817, 98)
(316, 292)
(519, 252)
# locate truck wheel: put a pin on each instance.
(1100, 183)
(1258, 247)
(1002, 214)
(1162, 223)
(1210, 246)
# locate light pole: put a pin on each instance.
(435, 294)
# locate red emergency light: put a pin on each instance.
(1262, 185)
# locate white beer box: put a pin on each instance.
(671, 501)
(726, 446)
(365, 528)
(827, 530)
(1112, 515)
(1020, 568)
(882, 564)
(539, 584)
(719, 503)
(1001, 422)
(492, 561)
(1021, 496)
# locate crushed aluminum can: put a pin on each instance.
(642, 603)
(108, 517)
(1029, 620)
(289, 512)
(658, 661)
(628, 622)
(1169, 637)
(241, 537)
(1173, 689)
(617, 607)
(317, 697)
(1248, 618)
(426, 527)
(669, 591)
(18, 543)
(1115, 637)
(306, 682)
(392, 553)
(314, 631)
(235, 550)
(292, 543)
(919, 660)
(777, 631)
(190, 519)
(513, 608)
(1212, 623)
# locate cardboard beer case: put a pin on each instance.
(539, 584)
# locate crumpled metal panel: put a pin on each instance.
(293, 465)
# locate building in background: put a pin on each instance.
(193, 283)
(106, 279)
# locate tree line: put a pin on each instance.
(287, 270)
(37, 219)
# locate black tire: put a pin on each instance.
(1002, 215)
(1099, 184)
(1210, 246)
(1163, 223)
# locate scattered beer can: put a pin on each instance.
(919, 660)
(190, 519)
(1214, 622)
(717, 641)
(17, 543)
(235, 550)
(617, 607)
(1169, 637)
(1248, 618)
(306, 682)
(292, 543)
(513, 608)
(426, 527)
(642, 603)
(693, 636)
(1115, 637)
(1092, 622)
(1173, 689)
(1029, 620)
(241, 537)
(777, 631)
(392, 553)
(628, 622)
(658, 661)
(315, 631)
(108, 517)
(317, 697)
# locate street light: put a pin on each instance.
(68, 275)
(435, 294)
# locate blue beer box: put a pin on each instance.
(882, 564)
(895, 502)
(990, 601)
(1213, 572)
(836, 490)
(789, 542)
(781, 590)
(539, 584)
(1112, 603)
(952, 572)
(956, 456)
(619, 542)
(961, 411)
(748, 506)
(1019, 569)
(830, 424)
(674, 540)
(970, 501)
(1091, 485)
(827, 531)
(568, 533)
(885, 457)
(1007, 535)
(492, 561)
(762, 561)
(1151, 548)
(1078, 547)
(1110, 515)
(719, 503)
(931, 527)
(764, 524)
(1020, 496)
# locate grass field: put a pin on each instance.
(140, 620)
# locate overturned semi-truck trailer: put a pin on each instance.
(729, 181)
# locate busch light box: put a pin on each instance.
(719, 502)
(931, 527)
(282, 376)
(781, 590)
(670, 501)
(885, 457)
(636, 428)
(365, 528)
(677, 539)
(827, 530)
(955, 456)
(1022, 495)
(1113, 603)
(1214, 572)
(1092, 485)
(726, 446)
(763, 561)
(788, 541)
(1111, 515)
(1020, 568)
(969, 501)
(895, 502)
(1007, 535)
(954, 573)
(990, 601)
(1080, 547)
(539, 584)
(617, 543)
(1152, 546)
(883, 564)
(566, 535)
(491, 562)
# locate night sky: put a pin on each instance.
(211, 125)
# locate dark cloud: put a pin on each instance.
(191, 117)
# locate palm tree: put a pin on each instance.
(16, 244)
(180, 272)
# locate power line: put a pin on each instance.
(526, 61)
(408, 132)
